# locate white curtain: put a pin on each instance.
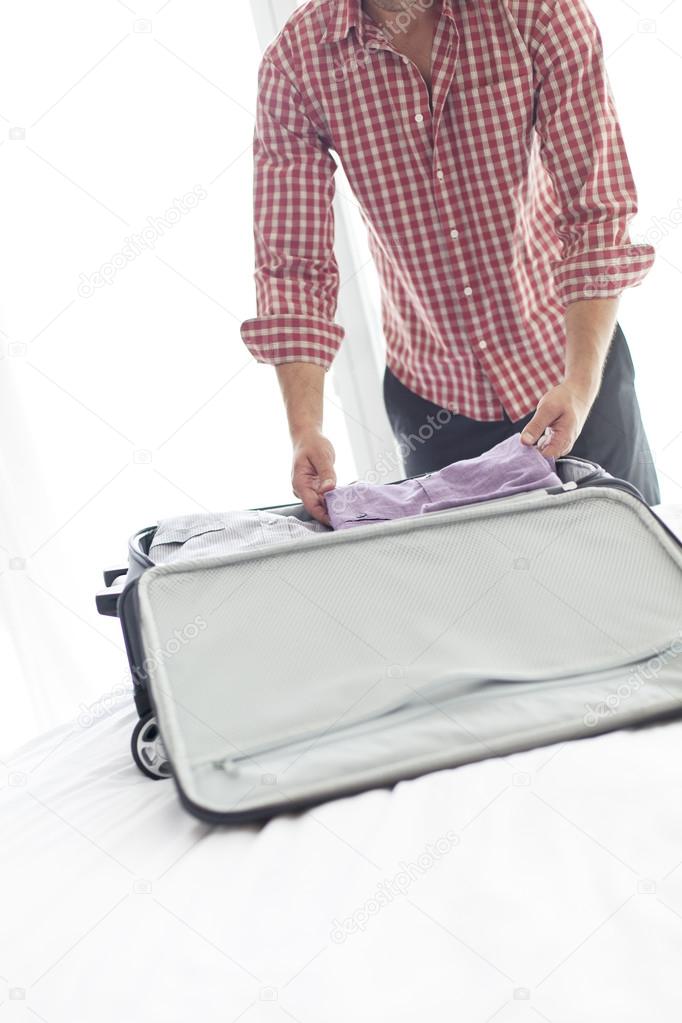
(126, 264)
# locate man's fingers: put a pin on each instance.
(543, 418)
(549, 429)
(319, 480)
(326, 484)
(320, 513)
(547, 438)
(324, 471)
(558, 443)
(313, 474)
(314, 504)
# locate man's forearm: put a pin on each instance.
(302, 386)
(589, 330)
(313, 476)
(562, 412)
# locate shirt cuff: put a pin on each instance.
(601, 273)
(290, 338)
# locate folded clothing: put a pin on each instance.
(205, 535)
(509, 468)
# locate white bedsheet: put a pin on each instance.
(545, 886)
(549, 888)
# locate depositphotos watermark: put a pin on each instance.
(350, 498)
(181, 638)
(118, 696)
(605, 284)
(661, 227)
(143, 241)
(391, 28)
(598, 712)
(393, 887)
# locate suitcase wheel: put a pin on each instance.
(148, 749)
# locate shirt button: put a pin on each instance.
(406, 60)
(419, 118)
(468, 292)
(440, 175)
(482, 344)
(455, 234)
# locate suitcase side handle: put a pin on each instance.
(107, 600)
(112, 574)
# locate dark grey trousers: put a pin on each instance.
(613, 435)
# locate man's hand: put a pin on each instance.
(560, 417)
(561, 414)
(313, 473)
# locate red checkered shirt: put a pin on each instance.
(490, 208)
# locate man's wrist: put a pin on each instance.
(302, 385)
(299, 431)
(584, 385)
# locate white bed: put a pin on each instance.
(547, 885)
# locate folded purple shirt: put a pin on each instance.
(509, 468)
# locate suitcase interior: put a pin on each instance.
(340, 662)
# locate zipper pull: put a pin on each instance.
(564, 488)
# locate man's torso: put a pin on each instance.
(459, 209)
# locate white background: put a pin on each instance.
(140, 400)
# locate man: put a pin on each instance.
(482, 145)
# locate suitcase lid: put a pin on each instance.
(284, 677)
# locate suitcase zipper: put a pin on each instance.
(419, 705)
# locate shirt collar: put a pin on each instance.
(347, 14)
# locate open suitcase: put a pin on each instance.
(270, 680)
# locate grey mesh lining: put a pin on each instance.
(307, 670)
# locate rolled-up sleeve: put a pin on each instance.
(583, 151)
(297, 277)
